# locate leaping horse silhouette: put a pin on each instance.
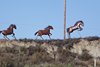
(77, 26)
(9, 31)
(46, 31)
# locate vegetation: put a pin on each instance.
(77, 52)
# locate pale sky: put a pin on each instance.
(32, 15)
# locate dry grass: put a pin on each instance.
(76, 52)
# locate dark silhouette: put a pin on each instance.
(77, 26)
(46, 31)
(9, 31)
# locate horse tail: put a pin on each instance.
(68, 32)
(68, 29)
(36, 33)
(0, 32)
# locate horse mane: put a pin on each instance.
(46, 28)
(78, 22)
(10, 26)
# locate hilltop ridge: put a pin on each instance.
(76, 52)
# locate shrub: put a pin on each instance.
(85, 56)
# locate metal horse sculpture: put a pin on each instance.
(46, 31)
(9, 31)
(77, 26)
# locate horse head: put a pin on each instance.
(13, 26)
(50, 27)
(81, 25)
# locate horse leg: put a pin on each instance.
(14, 36)
(42, 37)
(36, 37)
(49, 37)
(68, 35)
(50, 34)
(6, 37)
(79, 34)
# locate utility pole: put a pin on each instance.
(64, 19)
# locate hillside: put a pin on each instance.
(77, 52)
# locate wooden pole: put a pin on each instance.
(94, 62)
(64, 19)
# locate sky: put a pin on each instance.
(33, 15)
